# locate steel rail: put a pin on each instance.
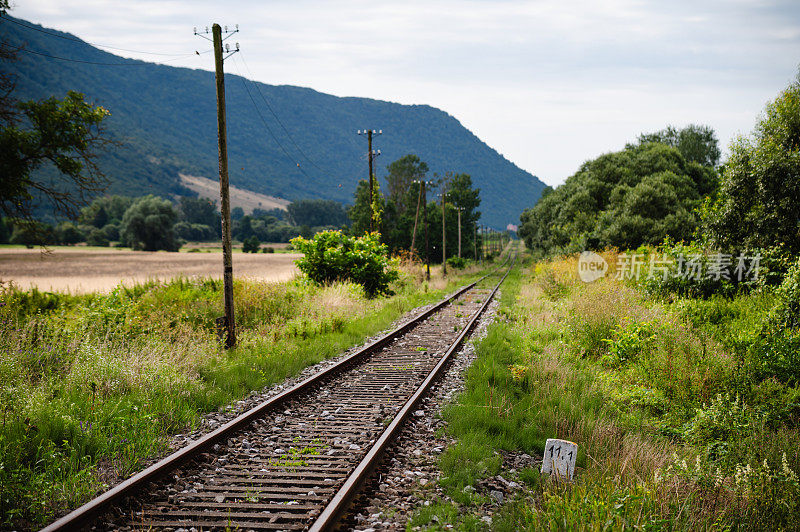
(329, 517)
(86, 513)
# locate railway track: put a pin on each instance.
(295, 461)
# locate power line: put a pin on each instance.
(137, 63)
(75, 39)
(258, 111)
(278, 119)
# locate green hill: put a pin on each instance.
(166, 119)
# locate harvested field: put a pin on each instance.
(81, 270)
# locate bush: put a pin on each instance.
(97, 237)
(251, 245)
(333, 256)
(457, 262)
(268, 249)
(69, 234)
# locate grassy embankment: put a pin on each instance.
(94, 384)
(685, 411)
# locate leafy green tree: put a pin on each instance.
(402, 173)
(333, 256)
(251, 245)
(65, 134)
(105, 210)
(696, 143)
(97, 237)
(359, 212)
(199, 211)
(148, 225)
(639, 195)
(315, 213)
(237, 213)
(758, 204)
(69, 234)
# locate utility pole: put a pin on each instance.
(476, 244)
(458, 209)
(371, 156)
(416, 216)
(225, 205)
(444, 226)
(427, 244)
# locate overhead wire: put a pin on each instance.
(271, 110)
(136, 63)
(75, 39)
(258, 111)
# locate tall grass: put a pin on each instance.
(673, 430)
(93, 385)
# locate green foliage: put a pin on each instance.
(629, 340)
(319, 212)
(68, 233)
(195, 232)
(333, 256)
(97, 237)
(624, 199)
(64, 134)
(458, 263)
(697, 144)
(717, 424)
(251, 245)
(148, 225)
(105, 210)
(759, 195)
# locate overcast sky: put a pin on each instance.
(547, 84)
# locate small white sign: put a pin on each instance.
(559, 458)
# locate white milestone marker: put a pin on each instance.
(559, 458)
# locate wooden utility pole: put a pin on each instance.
(444, 226)
(416, 217)
(370, 156)
(228, 322)
(458, 209)
(371, 183)
(427, 244)
(476, 244)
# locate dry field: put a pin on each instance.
(80, 270)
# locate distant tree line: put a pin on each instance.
(151, 223)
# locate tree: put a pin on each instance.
(251, 245)
(639, 195)
(359, 212)
(199, 211)
(105, 210)
(148, 225)
(316, 213)
(402, 173)
(758, 204)
(696, 143)
(64, 134)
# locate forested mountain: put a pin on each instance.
(166, 119)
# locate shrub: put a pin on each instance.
(333, 256)
(268, 249)
(97, 237)
(457, 262)
(630, 338)
(251, 245)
